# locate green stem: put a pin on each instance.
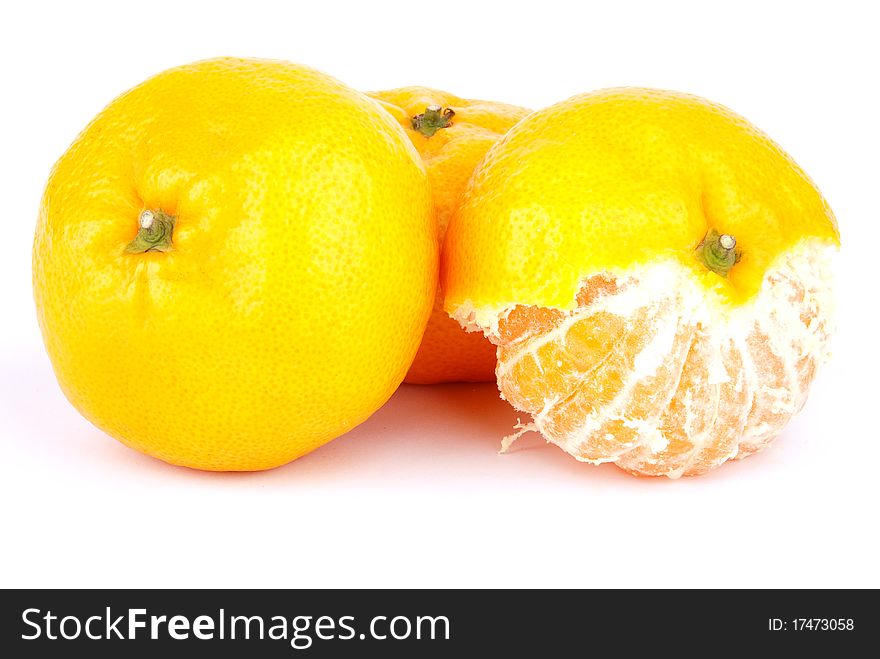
(155, 228)
(718, 252)
(432, 119)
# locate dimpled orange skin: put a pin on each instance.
(574, 249)
(447, 352)
(301, 276)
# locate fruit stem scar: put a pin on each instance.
(432, 119)
(155, 228)
(718, 252)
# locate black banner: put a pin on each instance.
(435, 623)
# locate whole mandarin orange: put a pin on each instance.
(452, 134)
(234, 263)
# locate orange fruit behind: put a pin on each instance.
(451, 145)
(656, 273)
(295, 287)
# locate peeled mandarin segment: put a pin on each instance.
(589, 340)
(524, 322)
(703, 420)
(636, 410)
(783, 346)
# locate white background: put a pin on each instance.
(417, 495)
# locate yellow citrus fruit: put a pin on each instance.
(234, 263)
(656, 274)
(452, 134)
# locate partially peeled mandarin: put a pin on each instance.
(655, 273)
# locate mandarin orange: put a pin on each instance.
(452, 134)
(234, 263)
(656, 274)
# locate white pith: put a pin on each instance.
(798, 282)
